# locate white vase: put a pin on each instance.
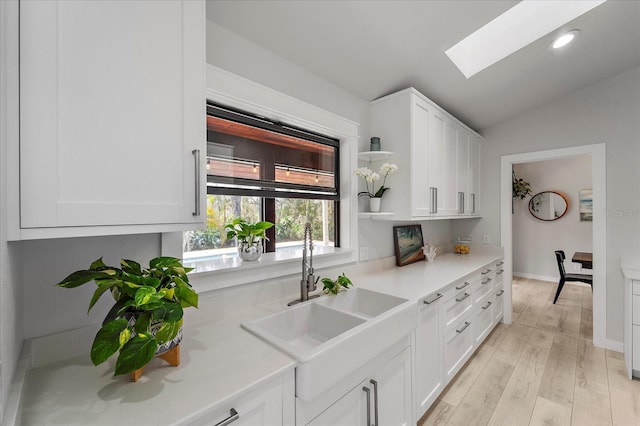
(374, 204)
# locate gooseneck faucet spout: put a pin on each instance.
(308, 281)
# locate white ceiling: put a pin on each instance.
(373, 48)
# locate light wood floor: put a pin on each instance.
(541, 370)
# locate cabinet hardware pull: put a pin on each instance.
(499, 263)
(500, 293)
(366, 389)
(375, 401)
(233, 416)
(466, 324)
(466, 283)
(434, 200)
(460, 202)
(428, 302)
(196, 156)
(473, 203)
(499, 272)
(488, 280)
(487, 307)
(463, 297)
(486, 272)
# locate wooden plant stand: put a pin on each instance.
(172, 356)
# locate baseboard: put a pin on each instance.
(611, 345)
(535, 277)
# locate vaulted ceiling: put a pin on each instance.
(373, 48)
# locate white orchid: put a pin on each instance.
(370, 176)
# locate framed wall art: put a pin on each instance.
(408, 244)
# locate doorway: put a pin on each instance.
(598, 169)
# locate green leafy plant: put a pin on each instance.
(520, 187)
(246, 232)
(334, 286)
(153, 296)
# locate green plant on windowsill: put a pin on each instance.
(245, 232)
(334, 286)
(147, 312)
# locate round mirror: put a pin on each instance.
(548, 205)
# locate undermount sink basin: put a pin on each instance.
(362, 302)
(332, 336)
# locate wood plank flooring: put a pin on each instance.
(542, 369)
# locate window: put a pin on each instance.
(259, 169)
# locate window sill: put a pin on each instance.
(229, 270)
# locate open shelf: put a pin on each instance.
(375, 155)
(374, 216)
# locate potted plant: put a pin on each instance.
(369, 176)
(520, 187)
(249, 237)
(146, 319)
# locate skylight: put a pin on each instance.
(518, 27)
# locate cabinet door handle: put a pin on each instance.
(466, 283)
(460, 202)
(488, 280)
(196, 157)
(233, 416)
(463, 297)
(366, 390)
(499, 272)
(486, 272)
(466, 324)
(428, 302)
(500, 293)
(487, 305)
(375, 401)
(434, 200)
(473, 203)
(499, 263)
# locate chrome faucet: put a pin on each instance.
(308, 281)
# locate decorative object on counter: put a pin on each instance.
(146, 319)
(249, 236)
(375, 144)
(462, 245)
(334, 286)
(430, 251)
(586, 205)
(370, 177)
(408, 244)
(548, 205)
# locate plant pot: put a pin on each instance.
(154, 327)
(374, 204)
(250, 252)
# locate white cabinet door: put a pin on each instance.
(474, 175)
(393, 400)
(463, 172)
(458, 347)
(351, 409)
(483, 321)
(448, 200)
(428, 350)
(111, 107)
(498, 306)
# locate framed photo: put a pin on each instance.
(408, 244)
(586, 205)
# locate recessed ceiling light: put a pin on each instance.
(516, 28)
(564, 39)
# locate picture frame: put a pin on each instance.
(408, 243)
(585, 197)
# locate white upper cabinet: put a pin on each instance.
(437, 158)
(112, 117)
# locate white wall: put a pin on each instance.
(606, 112)
(534, 240)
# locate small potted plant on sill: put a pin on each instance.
(369, 176)
(146, 319)
(249, 237)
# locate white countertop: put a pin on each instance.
(219, 359)
(631, 268)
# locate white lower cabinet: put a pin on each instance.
(483, 318)
(498, 307)
(458, 347)
(428, 353)
(382, 397)
(267, 404)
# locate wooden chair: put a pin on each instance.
(564, 277)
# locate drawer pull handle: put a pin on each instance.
(196, 159)
(463, 297)
(233, 416)
(434, 200)
(487, 306)
(488, 280)
(500, 293)
(473, 203)
(486, 272)
(499, 272)
(466, 283)
(464, 327)
(368, 392)
(499, 263)
(375, 401)
(428, 302)
(460, 202)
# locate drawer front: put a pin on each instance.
(636, 287)
(498, 307)
(635, 362)
(483, 321)
(458, 347)
(464, 284)
(499, 272)
(636, 309)
(458, 306)
(483, 288)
